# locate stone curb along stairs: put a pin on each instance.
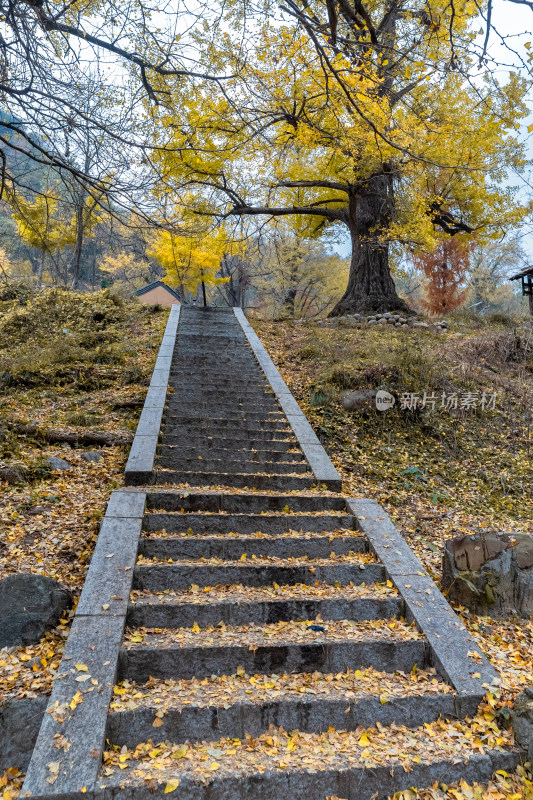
(226, 488)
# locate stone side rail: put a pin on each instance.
(321, 466)
(68, 752)
(454, 653)
(139, 469)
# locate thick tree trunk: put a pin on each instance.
(370, 285)
(289, 303)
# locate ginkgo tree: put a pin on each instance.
(43, 224)
(367, 116)
(191, 259)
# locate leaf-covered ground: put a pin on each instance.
(439, 472)
(84, 366)
(68, 363)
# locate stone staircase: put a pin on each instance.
(223, 418)
(244, 633)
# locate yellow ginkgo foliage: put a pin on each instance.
(48, 224)
(38, 225)
(364, 119)
(190, 260)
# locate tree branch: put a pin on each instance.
(337, 186)
(255, 211)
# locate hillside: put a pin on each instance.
(78, 365)
(69, 364)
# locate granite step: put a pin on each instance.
(224, 392)
(160, 656)
(226, 605)
(243, 503)
(229, 433)
(232, 548)
(238, 443)
(175, 461)
(201, 405)
(181, 575)
(276, 483)
(232, 714)
(212, 449)
(177, 522)
(229, 414)
(204, 378)
(342, 774)
(185, 418)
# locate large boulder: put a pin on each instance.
(57, 463)
(364, 400)
(30, 605)
(490, 573)
(13, 474)
(92, 456)
(20, 720)
(523, 721)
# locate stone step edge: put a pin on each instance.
(249, 480)
(261, 612)
(375, 782)
(311, 714)
(143, 449)
(139, 662)
(159, 577)
(223, 499)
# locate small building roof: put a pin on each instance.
(522, 274)
(153, 285)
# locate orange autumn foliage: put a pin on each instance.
(445, 268)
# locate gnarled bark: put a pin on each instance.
(370, 285)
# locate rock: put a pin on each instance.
(30, 605)
(359, 401)
(20, 720)
(382, 321)
(57, 463)
(490, 573)
(402, 320)
(35, 511)
(92, 456)
(522, 717)
(13, 474)
(372, 322)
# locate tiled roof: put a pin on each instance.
(153, 285)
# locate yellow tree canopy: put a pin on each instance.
(189, 260)
(373, 122)
(43, 224)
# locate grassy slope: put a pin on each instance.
(439, 473)
(67, 362)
